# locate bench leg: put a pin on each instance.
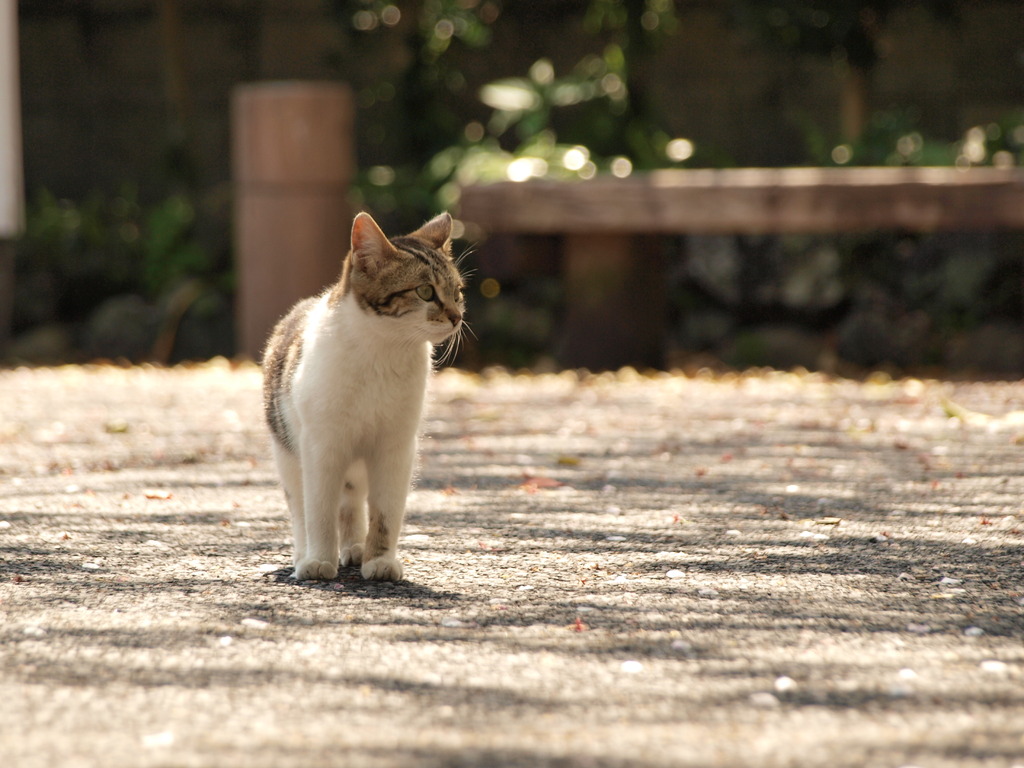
(616, 302)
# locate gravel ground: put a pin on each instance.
(617, 570)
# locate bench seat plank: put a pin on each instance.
(754, 201)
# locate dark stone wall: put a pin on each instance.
(97, 101)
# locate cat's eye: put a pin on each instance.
(426, 292)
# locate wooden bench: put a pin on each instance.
(614, 263)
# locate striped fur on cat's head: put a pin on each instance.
(411, 280)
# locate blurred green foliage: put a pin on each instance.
(595, 116)
(846, 31)
(73, 256)
(893, 138)
(434, 142)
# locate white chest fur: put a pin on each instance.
(358, 381)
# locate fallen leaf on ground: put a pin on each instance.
(976, 418)
(532, 484)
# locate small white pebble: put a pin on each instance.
(416, 537)
(157, 740)
(918, 629)
(72, 489)
(791, 489)
(613, 511)
(255, 623)
(764, 699)
(948, 580)
(974, 631)
(5, 524)
(969, 540)
(34, 631)
(784, 683)
(813, 535)
(91, 566)
(525, 588)
(614, 538)
(267, 568)
(155, 543)
(994, 666)
(452, 623)
(675, 574)
(226, 641)
(681, 646)
(632, 667)
(907, 674)
(620, 579)
(707, 592)
(733, 532)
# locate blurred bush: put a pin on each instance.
(116, 278)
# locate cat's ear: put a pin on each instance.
(370, 246)
(437, 231)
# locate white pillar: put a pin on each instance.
(11, 204)
(12, 207)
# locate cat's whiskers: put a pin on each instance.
(448, 350)
(470, 250)
(453, 344)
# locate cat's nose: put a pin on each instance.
(454, 317)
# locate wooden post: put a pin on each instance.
(293, 163)
(12, 213)
(616, 301)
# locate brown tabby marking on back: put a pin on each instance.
(280, 359)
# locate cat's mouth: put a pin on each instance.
(442, 330)
(441, 336)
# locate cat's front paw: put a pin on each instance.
(316, 569)
(352, 555)
(383, 568)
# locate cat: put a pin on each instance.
(345, 375)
